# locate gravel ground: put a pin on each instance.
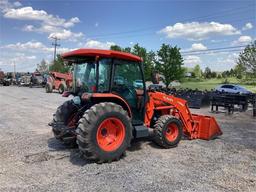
(32, 160)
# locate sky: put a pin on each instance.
(223, 27)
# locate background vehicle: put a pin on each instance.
(229, 88)
(37, 79)
(25, 79)
(1, 77)
(58, 81)
(104, 115)
(138, 83)
(155, 87)
(8, 79)
(119, 80)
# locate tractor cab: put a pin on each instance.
(104, 72)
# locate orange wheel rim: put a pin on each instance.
(110, 134)
(172, 132)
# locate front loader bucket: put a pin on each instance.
(207, 127)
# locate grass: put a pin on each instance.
(212, 83)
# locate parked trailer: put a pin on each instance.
(230, 100)
(58, 81)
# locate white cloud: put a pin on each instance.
(226, 62)
(42, 29)
(98, 44)
(198, 47)
(53, 31)
(26, 55)
(242, 40)
(24, 62)
(195, 47)
(17, 4)
(33, 46)
(96, 24)
(31, 57)
(67, 35)
(218, 40)
(198, 31)
(192, 60)
(247, 26)
(50, 24)
(28, 13)
(5, 5)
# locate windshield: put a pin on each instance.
(84, 77)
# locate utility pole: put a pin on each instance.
(14, 69)
(55, 44)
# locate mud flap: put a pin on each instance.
(207, 127)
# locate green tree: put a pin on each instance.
(169, 63)
(127, 49)
(42, 67)
(149, 64)
(148, 59)
(231, 72)
(213, 74)
(59, 66)
(239, 71)
(197, 71)
(207, 73)
(247, 59)
(116, 48)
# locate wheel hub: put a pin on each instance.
(172, 132)
(110, 134)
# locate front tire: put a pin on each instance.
(48, 88)
(104, 132)
(168, 131)
(62, 88)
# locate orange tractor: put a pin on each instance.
(58, 81)
(111, 106)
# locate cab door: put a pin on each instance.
(128, 82)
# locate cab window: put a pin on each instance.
(128, 83)
(104, 75)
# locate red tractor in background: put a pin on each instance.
(108, 110)
(58, 81)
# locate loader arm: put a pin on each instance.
(194, 126)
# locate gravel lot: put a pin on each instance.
(32, 160)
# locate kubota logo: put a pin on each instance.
(169, 99)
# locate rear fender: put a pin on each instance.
(109, 97)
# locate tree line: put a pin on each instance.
(168, 62)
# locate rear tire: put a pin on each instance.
(168, 131)
(48, 88)
(92, 138)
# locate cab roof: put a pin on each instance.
(101, 53)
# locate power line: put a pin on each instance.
(211, 52)
(214, 49)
